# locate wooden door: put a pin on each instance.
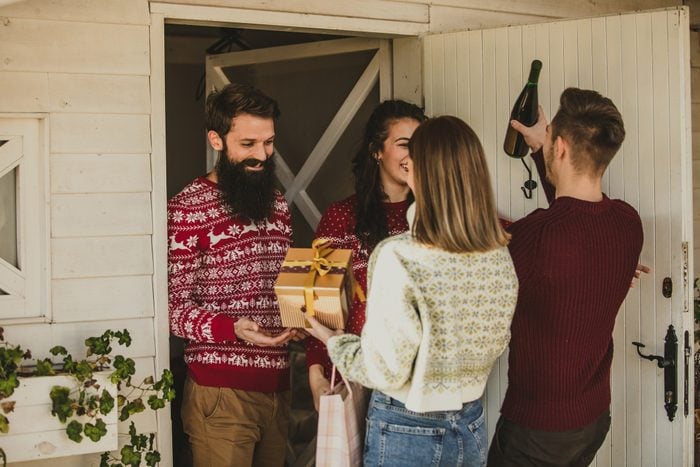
(640, 61)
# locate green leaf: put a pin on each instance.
(99, 345)
(4, 424)
(44, 367)
(8, 385)
(83, 370)
(74, 430)
(123, 369)
(130, 457)
(155, 402)
(69, 365)
(58, 350)
(104, 459)
(169, 395)
(61, 403)
(124, 337)
(97, 431)
(152, 458)
(106, 402)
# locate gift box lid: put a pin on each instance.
(297, 264)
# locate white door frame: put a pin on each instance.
(260, 19)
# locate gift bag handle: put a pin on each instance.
(345, 381)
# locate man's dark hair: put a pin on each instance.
(593, 127)
(233, 100)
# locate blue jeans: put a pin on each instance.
(397, 436)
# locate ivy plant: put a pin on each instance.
(81, 408)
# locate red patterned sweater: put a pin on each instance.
(222, 268)
(338, 224)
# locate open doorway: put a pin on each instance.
(310, 91)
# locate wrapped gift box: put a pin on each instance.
(327, 276)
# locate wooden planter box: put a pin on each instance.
(36, 434)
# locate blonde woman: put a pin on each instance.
(441, 299)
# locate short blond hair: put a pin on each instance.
(455, 207)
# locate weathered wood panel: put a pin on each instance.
(279, 20)
(100, 173)
(94, 215)
(24, 92)
(99, 94)
(36, 434)
(554, 8)
(640, 65)
(101, 256)
(447, 18)
(98, 299)
(92, 11)
(71, 47)
(372, 9)
(90, 133)
(41, 337)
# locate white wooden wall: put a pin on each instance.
(87, 65)
(410, 17)
(640, 61)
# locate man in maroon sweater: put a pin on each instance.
(229, 233)
(574, 261)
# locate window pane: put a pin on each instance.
(8, 217)
(3, 141)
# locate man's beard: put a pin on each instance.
(246, 193)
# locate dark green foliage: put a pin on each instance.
(88, 399)
(74, 430)
(61, 403)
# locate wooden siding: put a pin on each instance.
(399, 17)
(85, 66)
(638, 61)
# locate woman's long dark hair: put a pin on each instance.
(370, 226)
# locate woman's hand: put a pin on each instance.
(319, 331)
(318, 383)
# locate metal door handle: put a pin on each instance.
(668, 363)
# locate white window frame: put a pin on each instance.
(28, 285)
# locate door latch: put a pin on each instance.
(668, 363)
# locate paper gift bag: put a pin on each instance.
(317, 280)
(341, 425)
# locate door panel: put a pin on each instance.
(641, 62)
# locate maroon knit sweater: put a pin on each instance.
(574, 261)
(222, 268)
(338, 224)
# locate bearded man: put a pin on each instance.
(229, 233)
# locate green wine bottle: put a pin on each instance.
(524, 111)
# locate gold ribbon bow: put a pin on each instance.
(320, 266)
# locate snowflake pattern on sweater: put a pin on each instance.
(222, 268)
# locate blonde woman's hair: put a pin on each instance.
(455, 208)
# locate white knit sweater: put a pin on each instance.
(436, 323)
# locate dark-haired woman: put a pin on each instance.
(377, 210)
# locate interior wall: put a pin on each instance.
(185, 135)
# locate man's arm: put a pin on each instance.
(535, 137)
